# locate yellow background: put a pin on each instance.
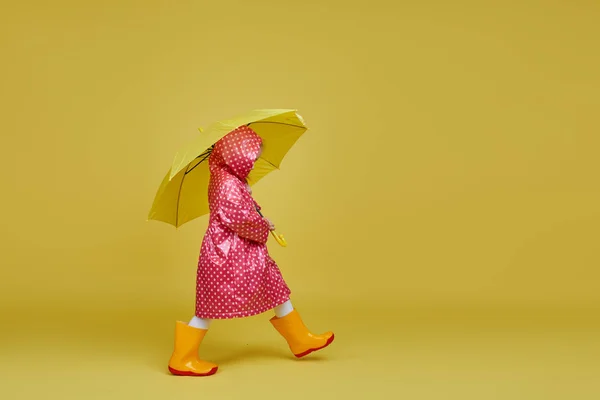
(442, 211)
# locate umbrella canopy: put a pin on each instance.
(183, 193)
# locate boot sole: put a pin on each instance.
(307, 352)
(190, 373)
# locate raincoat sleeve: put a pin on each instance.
(239, 214)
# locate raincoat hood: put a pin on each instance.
(236, 152)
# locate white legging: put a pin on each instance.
(280, 311)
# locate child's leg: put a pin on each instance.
(284, 309)
(200, 323)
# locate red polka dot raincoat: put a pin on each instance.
(236, 276)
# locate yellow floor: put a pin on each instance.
(388, 354)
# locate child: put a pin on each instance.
(236, 276)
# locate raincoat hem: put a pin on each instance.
(241, 314)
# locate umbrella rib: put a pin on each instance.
(200, 162)
(206, 154)
(179, 196)
(270, 163)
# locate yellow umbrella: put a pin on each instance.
(183, 194)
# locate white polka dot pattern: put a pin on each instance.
(236, 276)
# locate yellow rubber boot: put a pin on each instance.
(301, 341)
(185, 360)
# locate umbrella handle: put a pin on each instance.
(279, 238)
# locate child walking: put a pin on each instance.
(236, 276)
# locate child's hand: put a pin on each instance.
(271, 226)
